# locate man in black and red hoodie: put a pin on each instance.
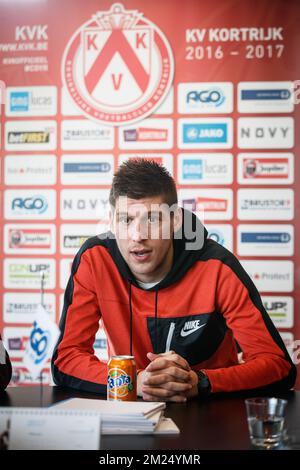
(176, 300)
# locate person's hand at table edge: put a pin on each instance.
(168, 377)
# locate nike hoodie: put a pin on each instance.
(205, 309)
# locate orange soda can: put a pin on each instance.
(121, 378)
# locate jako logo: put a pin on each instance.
(214, 97)
(205, 133)
(35, 205)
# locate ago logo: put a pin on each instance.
(119, 383)
(118, 66)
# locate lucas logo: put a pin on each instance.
(190, 327)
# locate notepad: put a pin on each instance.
(125, 417)
(117, 408)
(49, 429)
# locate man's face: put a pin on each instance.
(144, 230)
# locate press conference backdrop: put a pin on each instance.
(208, 89)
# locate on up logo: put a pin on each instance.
(118, 66)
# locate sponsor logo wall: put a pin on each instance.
(215, 105)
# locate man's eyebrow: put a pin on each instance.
(122, 213)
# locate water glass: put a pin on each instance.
(265, 421)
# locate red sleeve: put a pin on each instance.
(74, 363)
(266, 359)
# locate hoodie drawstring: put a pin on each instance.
(155, 323)
(131, 318)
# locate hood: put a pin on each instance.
(184, 258)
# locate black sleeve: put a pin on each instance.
(5, 370)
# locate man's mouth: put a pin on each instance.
(141, 255)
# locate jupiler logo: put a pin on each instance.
(118, 66)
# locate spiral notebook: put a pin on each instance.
(49, 429)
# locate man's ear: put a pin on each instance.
(178, 217)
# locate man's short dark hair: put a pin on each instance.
(140, 178)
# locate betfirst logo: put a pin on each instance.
(146, 135)
(74, 241)
(206, 204)
(28, 137)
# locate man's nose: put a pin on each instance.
(138, 232)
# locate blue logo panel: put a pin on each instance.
(205, 133)
(19, 101)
